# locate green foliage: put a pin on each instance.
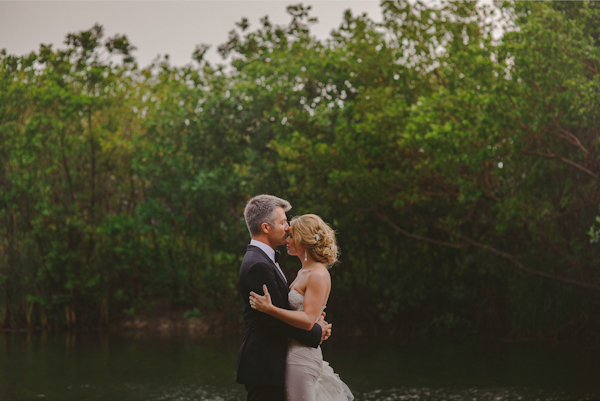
(594, 233)
(456, 166)
(194, 313)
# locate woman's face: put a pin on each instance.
(291, 247)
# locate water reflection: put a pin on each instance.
(95, 366)
(398, 394)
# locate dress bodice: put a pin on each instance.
(296, 300)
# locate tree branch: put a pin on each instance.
(568, 136)
(559, 157)
(418, 237)
(519, 264)
(66, 167)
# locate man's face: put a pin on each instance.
(279, 232)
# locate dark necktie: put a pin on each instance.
(277, 254)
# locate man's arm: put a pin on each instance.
(262, 273)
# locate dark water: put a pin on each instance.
(95, 366)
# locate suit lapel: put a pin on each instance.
(282, 279)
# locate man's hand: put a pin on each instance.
(325, 327)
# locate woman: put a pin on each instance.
(308, 377)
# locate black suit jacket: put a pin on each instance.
(261, 360)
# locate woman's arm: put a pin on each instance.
(314, 298)
(262, 273)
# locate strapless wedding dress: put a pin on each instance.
(307, 376)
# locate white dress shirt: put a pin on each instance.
(270, 253)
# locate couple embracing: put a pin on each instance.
(280, 357)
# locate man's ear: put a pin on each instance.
(265, 227)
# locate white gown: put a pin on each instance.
(307, 376)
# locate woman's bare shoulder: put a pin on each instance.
(320, 272)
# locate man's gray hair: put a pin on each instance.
(261, 209)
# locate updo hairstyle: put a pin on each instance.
(310, 231)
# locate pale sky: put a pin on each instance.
(157, 27)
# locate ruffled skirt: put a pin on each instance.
(309, 378)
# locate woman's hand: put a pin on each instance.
(259, 302)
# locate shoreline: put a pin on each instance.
(138, 327)
(198, 327)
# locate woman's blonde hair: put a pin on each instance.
(310, 231)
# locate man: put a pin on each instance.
(261, 360)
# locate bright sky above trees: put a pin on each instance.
(156, 27)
